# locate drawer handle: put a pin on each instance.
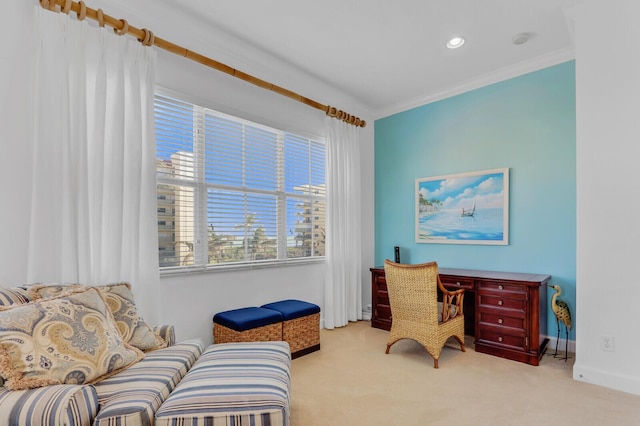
(500, 339)
(500, 302)
(500, 321)
(500, 287)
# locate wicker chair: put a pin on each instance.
(413, 296)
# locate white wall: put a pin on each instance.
(608, 184)
(187, 301)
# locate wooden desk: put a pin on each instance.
(506, 312)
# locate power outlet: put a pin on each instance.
(608, 343)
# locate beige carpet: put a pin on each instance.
(351, 381)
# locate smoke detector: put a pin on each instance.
(521, 38)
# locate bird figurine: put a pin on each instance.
(563, 314)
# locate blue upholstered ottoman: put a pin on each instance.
(300, 326)
(251, 324)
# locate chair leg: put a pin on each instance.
(461, 343)
(387, 351)
(435, 363)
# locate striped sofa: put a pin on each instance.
(130, 397)
(245, 383)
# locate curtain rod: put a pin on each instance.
(147, 38)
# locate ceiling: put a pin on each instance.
(391, 55)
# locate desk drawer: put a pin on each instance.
(380, 282)
(382, 297)
(501, 302)
(502, 336)
(513, 290)
(453, 282)
(497, 318)
(383, 312)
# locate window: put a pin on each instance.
(234, 192)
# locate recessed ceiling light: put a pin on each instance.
(455, 42)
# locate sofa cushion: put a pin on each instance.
(71, 339)
(132, 396)
(72, 405)
(121, 302)
(233, 384)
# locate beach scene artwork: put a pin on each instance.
(464, 208)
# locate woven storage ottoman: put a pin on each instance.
(301, 325)
(251, 324)
(233, 384)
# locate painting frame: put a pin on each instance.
(463, 208)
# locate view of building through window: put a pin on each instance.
(230, 191)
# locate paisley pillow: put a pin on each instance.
(45, 291)
(121, 303)
(133, 328)
(71, 339)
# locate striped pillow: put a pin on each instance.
(13, 296)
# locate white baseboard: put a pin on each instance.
(551, 347)
(621, 382)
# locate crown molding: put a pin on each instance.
(505, 73)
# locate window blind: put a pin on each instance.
(234, 192)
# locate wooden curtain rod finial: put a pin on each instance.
(334, 112)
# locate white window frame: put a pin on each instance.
(200, 202)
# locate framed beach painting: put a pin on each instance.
(464, 208)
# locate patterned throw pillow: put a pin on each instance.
(45, 291)
(72, 339)
(133, 328)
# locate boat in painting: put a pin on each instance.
(468, 212)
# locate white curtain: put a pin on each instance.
(343, 285)
(93, 210)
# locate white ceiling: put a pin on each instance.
(391, 55)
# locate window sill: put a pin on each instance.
(239, 266)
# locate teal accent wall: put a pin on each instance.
(527, 124)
